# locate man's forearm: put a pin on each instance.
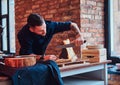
(75, 27)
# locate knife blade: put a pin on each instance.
(67, 45)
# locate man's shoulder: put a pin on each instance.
(48, 22)
(24, 30)
(25, 27)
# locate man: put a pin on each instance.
(35, 36)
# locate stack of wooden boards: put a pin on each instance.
(94, 53)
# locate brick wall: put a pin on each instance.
(92, 20)
(88, 14)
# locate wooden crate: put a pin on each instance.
(94, 55)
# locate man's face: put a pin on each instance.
(39, 30)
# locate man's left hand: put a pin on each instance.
(50, 57)
(78, 41)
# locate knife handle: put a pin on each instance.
(84, 41)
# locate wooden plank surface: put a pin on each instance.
(83, 65)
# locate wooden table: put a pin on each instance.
(80, 74)
(85, 74)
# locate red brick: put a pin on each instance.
(53, 11)
(35, 6)
(64, 5)
(53, 3)
(75, 7)
(29, 11)
(48, 16)
(75, 2)
(67, 18)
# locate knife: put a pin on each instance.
(67, 45)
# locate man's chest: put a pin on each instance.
(41, 40)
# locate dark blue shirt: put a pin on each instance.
(32, 43)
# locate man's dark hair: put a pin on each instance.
(35, 19)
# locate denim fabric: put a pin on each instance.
(43, 73)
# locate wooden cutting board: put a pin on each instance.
(69, 63)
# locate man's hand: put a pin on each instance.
(75, 27)
(79, 38)
(50, 57)
(78, 41)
